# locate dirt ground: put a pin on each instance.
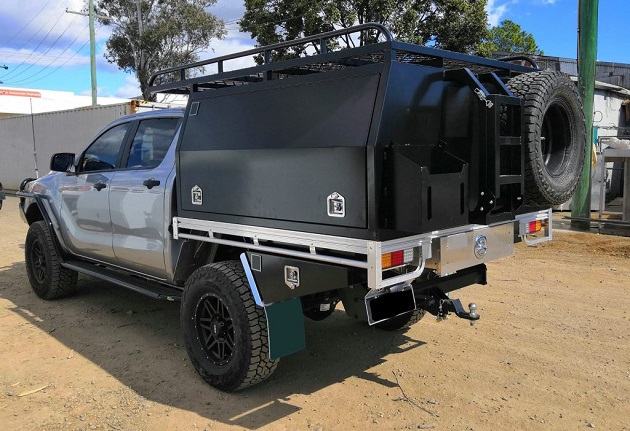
(551, 351)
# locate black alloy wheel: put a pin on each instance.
(224, 330)
(38, 261)
(215, 329)
(44, 267)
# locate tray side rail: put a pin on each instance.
(315, 247)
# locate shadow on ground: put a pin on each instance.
(137, 340)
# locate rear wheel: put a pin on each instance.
(402, 321)
(48, 278)
(554, 133)
(225, 333)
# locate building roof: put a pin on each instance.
(20, 101)
(617, 74)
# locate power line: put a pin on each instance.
(40, 29)
(36, 48)
(28, 79)
(35, 15)
(39, 56)
(22, 55)
(60, 66)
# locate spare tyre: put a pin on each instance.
(554, 135)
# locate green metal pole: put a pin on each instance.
(92, 51)
(587, 55)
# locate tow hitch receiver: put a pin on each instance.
(446, 306)
(432, 295)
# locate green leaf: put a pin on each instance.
(157, 35)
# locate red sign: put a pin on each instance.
(20, 93)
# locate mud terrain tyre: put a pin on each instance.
(48, 278)
(402, 321)
(554, 134)
(225, 332)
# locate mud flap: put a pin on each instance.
(285, 324)
(285, 320)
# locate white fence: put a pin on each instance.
(27, 142)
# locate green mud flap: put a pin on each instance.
(285, 321)
(285, 324)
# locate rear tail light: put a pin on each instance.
(536, 225)
(396, 258)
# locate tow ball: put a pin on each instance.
(447, 306)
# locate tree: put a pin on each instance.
(149, 35)
(509, 38)
(456, 25)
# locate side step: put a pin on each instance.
(153, 289)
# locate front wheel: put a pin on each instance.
(225, 332)
(48, 278)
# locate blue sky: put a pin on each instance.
(46, 48)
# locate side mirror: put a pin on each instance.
(62, 162)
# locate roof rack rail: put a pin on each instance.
(193, 77)
(177, 74)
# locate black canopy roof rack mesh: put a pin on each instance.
(194, 77)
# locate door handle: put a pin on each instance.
(100, 186)
(151, 182)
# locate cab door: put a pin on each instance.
(86, 220)
(140, 214)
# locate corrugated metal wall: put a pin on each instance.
(53, 132)
(611, 73)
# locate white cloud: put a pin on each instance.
(40, 37)
(234, 42)
(53, 58)
(496, 11)
(129, 90)
(33, 24)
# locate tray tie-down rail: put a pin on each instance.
(285, 242)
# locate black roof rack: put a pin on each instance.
(193, 77)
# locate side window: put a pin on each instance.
(151, 142)
(103, 153)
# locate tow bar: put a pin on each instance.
(455, 305)
(432, 295)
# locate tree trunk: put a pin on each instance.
(143, 79)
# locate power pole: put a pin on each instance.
(587, 54)
(92, 51)
(91, 16)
